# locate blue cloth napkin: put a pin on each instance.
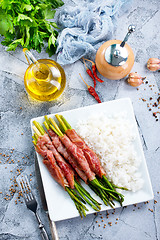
(86, 26)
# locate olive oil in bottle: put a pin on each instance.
(44, 79)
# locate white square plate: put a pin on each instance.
(60, 206)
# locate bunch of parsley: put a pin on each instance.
(26, 23)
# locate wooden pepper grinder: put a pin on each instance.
(115, 58)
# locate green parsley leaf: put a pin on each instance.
(6, 24)
(26, 23)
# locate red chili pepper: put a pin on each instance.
(95, 74)
(94, 94)
(94, 71)
(92, 91)
(90, 73)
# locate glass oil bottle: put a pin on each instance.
(44, 79)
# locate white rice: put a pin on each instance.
(113, 141)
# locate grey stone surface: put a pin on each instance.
(16, 110)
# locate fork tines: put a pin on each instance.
(31, 203)
(25, 188)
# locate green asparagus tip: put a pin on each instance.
(36, 131)
(34, 142)
(46, 125)
(65, 122)
(57, 132)
(39, 127)
(47, 119)
(122, 188)
(63, 126)
(35, 138)
(54, 124)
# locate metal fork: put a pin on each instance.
(31, 203)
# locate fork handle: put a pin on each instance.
(44, 234)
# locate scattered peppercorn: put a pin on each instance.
(150, 210)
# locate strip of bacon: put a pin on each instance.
(42, 152)
(54, 170)
(63, 151)
(64, 166)
(78, 155)
(50, 163)
(41, 148)
(90, 155)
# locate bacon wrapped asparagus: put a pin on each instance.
(61, 171)
(63, 151)
(104, 189)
